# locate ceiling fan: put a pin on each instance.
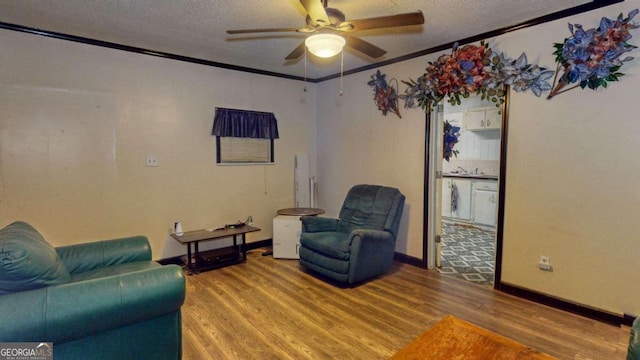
(325, 20)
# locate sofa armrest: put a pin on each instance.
(318, 224)
(80, 258)
(371, 253)
(633, 351)
(76, 310)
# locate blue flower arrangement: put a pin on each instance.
(450, 139)
(384, 95)
(591, 58)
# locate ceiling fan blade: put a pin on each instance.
(296, 53)
(316, 12)
(364, 47)
(414, 18)
(250, 31)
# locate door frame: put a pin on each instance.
(428, 244)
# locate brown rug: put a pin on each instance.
(452, 339)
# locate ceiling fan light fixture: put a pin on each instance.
(325, 45)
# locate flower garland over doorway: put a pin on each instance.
(591, 58)
(588, 58)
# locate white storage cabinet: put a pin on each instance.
(286, 236)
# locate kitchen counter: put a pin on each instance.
(470, 176)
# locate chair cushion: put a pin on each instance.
(366, 207)
(27, 260)
(330, 267)
(332, 244)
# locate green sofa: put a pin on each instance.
(361, 243)
(633, 352)
(98, 300)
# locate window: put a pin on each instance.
(244, 150)
(244, 137)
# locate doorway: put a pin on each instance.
(465, 190)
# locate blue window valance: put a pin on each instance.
(244, 124)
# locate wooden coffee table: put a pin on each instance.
(452, 338)
(215, 258)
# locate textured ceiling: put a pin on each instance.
(196, 28)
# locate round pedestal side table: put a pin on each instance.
(300, 211)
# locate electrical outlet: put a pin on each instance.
(152, 161)
(545, 263)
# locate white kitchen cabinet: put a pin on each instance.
(474, 119)
(482, 119)
(485, 202)
(477, 200)
(493, 119)
(456, 191)
(446, 197)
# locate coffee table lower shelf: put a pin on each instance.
(217, 258)
(213, 259)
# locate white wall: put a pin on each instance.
(572, 171)
(77, 122)
(572, 180)
(358, 145)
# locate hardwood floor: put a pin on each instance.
(272, 309)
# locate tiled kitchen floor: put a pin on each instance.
(468, 253)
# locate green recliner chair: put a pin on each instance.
(98, 300)
(361, 243)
